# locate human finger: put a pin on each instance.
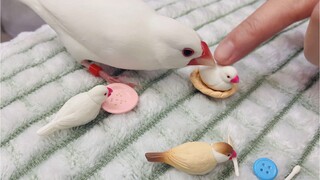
(311, 41)
(266, 21)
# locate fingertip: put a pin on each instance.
(224, 52)
(222, 62)
(315, 13)
(311, 41)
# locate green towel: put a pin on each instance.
(275, 113)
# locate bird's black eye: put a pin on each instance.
(229, 155)
(187, 52)
(228, 76)
(105, 93)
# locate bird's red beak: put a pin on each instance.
(233, 155)
(205, 59)
(109, 91)
(235, 79)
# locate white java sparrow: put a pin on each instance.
(78, 110)
(218, 77)
(125, 34)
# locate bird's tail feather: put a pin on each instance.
(47, 129)
(156, 157)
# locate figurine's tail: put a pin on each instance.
(47, 129)
(155, 157)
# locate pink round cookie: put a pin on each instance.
(122, 99)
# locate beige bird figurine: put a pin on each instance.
(196, 158)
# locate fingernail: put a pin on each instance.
(224, 51)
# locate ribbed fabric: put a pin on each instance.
(275, 113)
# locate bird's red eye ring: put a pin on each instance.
(187, 52)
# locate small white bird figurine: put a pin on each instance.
(218, 77)
(195, 158)
(78, 110)
(125, 34)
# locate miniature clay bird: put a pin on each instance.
(126, 34)
(195, 158)
(218, 77)
(78, 110)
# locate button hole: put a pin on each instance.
(261, 169)
(267, 172)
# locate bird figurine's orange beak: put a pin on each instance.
(235, 79)
(205, 59)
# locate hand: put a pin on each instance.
(272, 17)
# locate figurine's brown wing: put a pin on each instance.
(193, 157)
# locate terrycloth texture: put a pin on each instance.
(274, 114)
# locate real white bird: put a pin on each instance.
(78, 110)
(125, 34)
(218, 77)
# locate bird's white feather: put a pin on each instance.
(77, 111)
(218, 77)
(120, 33)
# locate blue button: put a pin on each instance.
(265, 169)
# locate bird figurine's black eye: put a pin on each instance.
(229, 155)
(105, 94)
(228, 76)
(187, 52)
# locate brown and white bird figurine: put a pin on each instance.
(196, 158)
(219, 78)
